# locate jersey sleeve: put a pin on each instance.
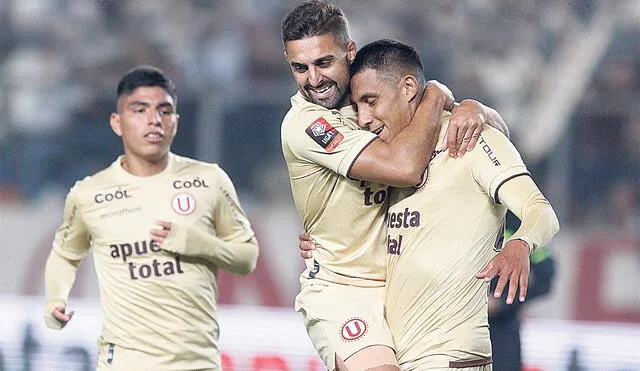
(72, 239)
(494, 161)
(230, 220)
(322, 137)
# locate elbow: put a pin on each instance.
(415, 178)
(408, 176)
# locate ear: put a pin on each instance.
(175, 127)
(410, 87)
(114, 121)
(351, 51)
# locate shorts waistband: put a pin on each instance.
(471, 363)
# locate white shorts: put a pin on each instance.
(342, 319)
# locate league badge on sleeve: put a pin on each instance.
(324, 134)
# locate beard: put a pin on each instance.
(333, 101)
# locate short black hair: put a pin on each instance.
(147, 76)
(315, 18)
(391, 59)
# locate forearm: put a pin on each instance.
(539, 222)
(413, 146)
(235, 257)
(59, 276)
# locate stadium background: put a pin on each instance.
(564, 74)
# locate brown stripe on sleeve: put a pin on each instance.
(359, 153)
(495, 196)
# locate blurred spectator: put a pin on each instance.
(54, 69)
(623, 209)
(39, 102)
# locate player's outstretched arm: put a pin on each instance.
(539, 224)
(59, 276)
(402, 161)
(466, 124)
(238, 257)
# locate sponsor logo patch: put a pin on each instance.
(353, 329)
(324, 134)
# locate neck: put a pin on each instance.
(415, 102)
(142, 167)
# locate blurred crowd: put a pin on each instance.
(60, 61)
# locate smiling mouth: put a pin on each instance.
(378, 130)
(320, 91)
(154, 136)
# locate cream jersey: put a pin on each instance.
(345, 217)
(154, 302)
(439, 237)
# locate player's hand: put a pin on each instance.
(436, 87)
(161, 231)
(511, 265)
(306, 245)
(465, 126)
(59, 314)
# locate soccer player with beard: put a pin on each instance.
(159, 226)
(340, 179)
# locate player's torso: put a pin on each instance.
(344, 216)
(439, 236)
(346, 220)
(121, 215)
(144, 289)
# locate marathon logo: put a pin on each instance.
(324, 134)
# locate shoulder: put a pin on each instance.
(86, 188)
(491, 134)
(491, 142)
(305, 115)
(183, 162)
(200, 169)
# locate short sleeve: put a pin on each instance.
(494, 161)
(322, 137)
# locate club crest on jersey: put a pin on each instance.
(353, 329)
(183, 203)
(324, 134)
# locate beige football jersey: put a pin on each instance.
(161, 305)
(345, 217)
(439, 237)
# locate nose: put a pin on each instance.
(364, 118)
(315, 77)
(153, 115)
